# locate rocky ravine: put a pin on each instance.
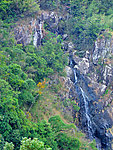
(89, 80)
(94, 86)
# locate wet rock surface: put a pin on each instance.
(92, 119)
(94, 75)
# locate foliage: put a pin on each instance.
(11, 8)
(76, 108)
(66, 142)
(46, 134)
(93, 145)
(52, 52)
(23, 70)
(2, 142)
(13, 124)
(86, 21)
(35, 144)
(28, 144)
(50, 4)
(41, 85)
(63, 139)
(8, 146)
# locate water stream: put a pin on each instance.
(75, 76)
(35, 38)
(89, 123)
(38, 35)
(85, 101)
(40, 27)
(86, 98)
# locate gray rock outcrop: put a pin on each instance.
(33, 30)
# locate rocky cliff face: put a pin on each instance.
(95, 77)
(89, 80)
(32, 29)
(89, 83)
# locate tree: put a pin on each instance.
(9, 146)
(63, 139)
(34, 144)
(2, 142)
(16, 7)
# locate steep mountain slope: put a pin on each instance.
(78, 30)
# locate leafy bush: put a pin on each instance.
(15, 7)
(8, 146)
(34, 144)
(66, 142)
(63, 139)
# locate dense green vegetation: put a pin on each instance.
(22, 68)
(28, 144)
(86, 20)
(90, 18)
(13, 8)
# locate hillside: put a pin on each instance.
(56, 75)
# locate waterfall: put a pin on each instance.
(38, 35)
(35, 38)
(88, 116)
(75, 75)
(40, 26)
(85, 98)
(89, 124)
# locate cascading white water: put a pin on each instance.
(40, 26)
(35, 38)
(86, 99)
(75, 76)
(89, 124)
(37, 33)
